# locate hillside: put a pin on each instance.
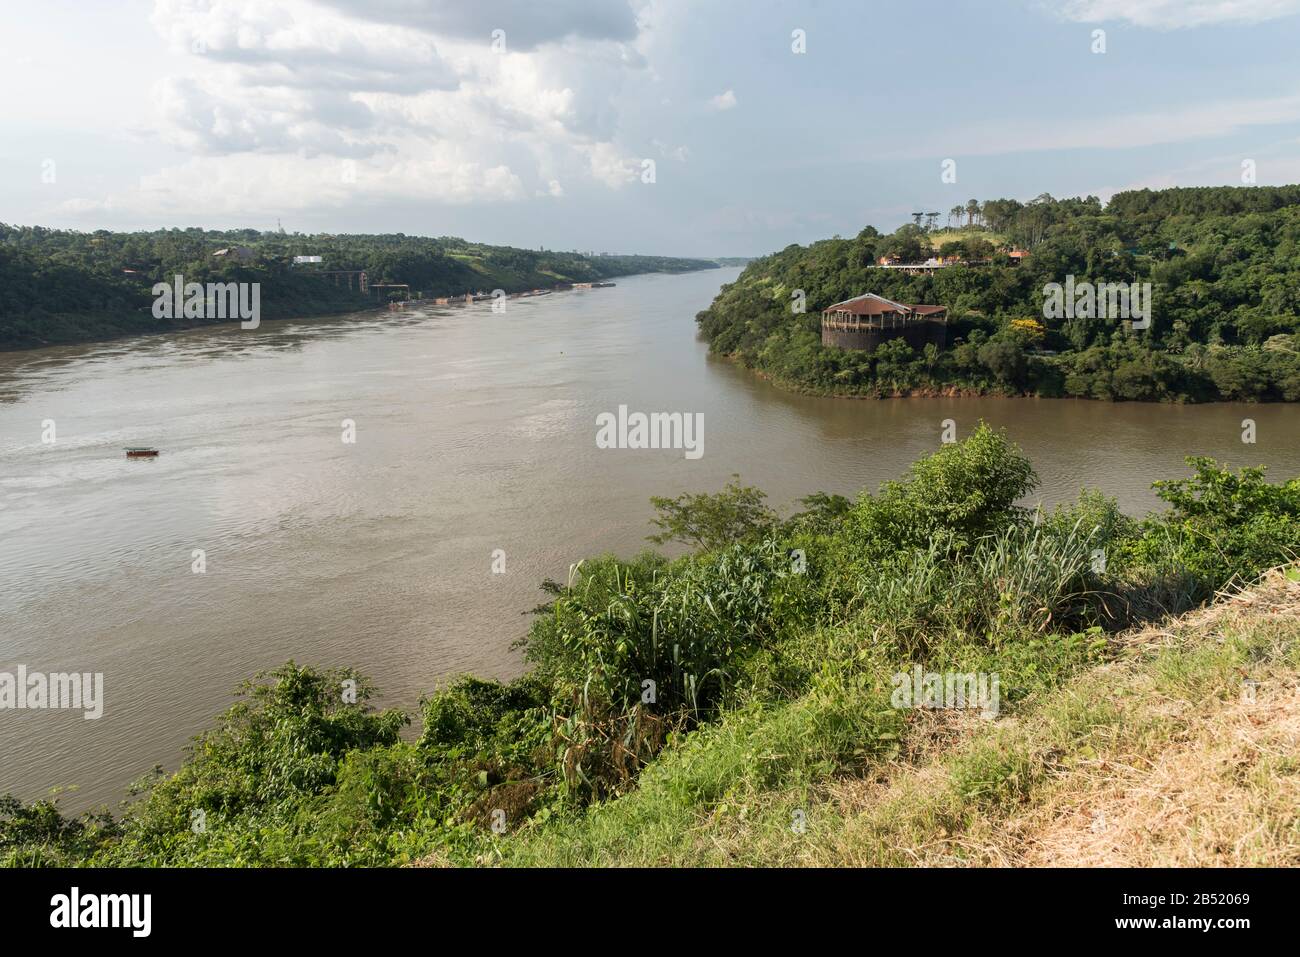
(1157, 758)
(58, 286)
(1223, 266)
(788, 694)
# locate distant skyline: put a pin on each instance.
(533, 122)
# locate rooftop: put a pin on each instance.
(872, 305)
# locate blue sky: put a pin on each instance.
(530, 123)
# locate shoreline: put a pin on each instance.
(964, 392)
(188, 325)
(181, 326)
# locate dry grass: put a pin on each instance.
(1226, 793)
(1224, 789)
(1158, 759)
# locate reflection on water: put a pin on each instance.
(474, 431)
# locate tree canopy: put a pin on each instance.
(60, 286)
(1223, 264)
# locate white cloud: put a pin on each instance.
(723, 101)
(202, 117)
(607, 164)
(526, 23)
(1276, 164)
(248, 184)
(276, 94)
(679, 153)
(295, 43)
(1214, 118)
(1175, 14)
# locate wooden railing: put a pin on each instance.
(847, 322)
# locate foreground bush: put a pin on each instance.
(662, 686)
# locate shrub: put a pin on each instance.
(635, 650)
(707, 521)
(1222, 527)
(961, 493)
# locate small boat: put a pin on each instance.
(137, 452)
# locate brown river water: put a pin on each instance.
(474, 431)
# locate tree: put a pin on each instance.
(908, 244)
(708, 521)
(958, 494)
(1005, 358)
(999, 214)
(1222, 265)
(822, 514)
(1030, 329)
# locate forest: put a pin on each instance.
(1223, 264)
(62, 286)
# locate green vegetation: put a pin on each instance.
(712, 521)
(1223, 264)
(683, 710)
(58, 286)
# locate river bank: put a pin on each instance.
(475, 432)
(989, 390)
(128, 324)
(1131, 762)
(807, 714)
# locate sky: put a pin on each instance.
(673, 127)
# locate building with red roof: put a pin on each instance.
(864, 322)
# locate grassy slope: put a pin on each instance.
(1150, 758)
(939, 237)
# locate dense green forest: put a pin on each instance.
(676, 706)
(1223, 264)
(59, 286)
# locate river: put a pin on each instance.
(474, 432)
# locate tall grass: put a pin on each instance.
(1023, 578)
(638, 650)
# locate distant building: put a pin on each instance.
(866, 321)
(241, 253)
(298, 260)
(931, 264)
